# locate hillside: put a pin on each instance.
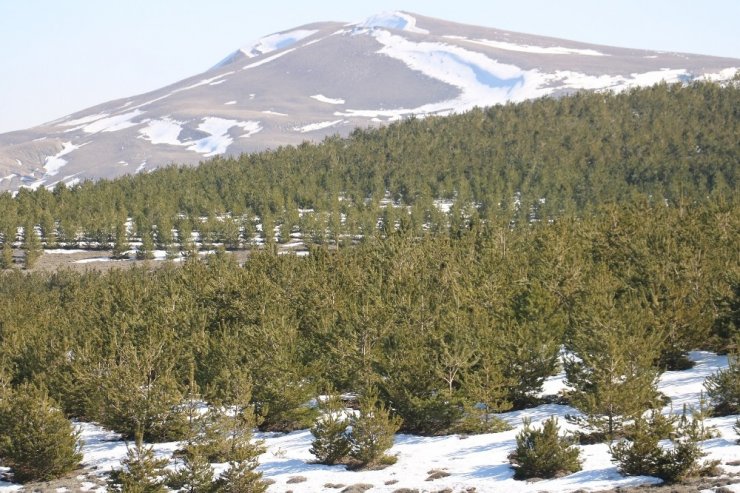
(325, 78)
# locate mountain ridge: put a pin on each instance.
(323, 78)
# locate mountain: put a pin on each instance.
(327, 78)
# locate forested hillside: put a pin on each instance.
(535, 160)
(605, 226)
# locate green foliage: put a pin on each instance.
(142, 471)
(373, 431)
(582, 221)
(146, 249)
(226, 435)
(613, 369)
(723, 388)
(31, 246)
(543, 453)
(6, 256)
(194, 476)
(138, 393)
(120, 244)
(241, 477)
(641, 454)
(36, 440)
(331, 440)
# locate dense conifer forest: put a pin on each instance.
(603, 226)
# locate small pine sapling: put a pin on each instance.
(640, 454)
(373, 432)
(723, 388)
(195, 476)
(331, 443)
(544, 453)
(142, 471)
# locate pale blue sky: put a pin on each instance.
(61, 56)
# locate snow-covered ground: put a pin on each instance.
(471, 461)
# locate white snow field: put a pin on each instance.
(472, 461)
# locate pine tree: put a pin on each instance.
(373, 432)
(31, 246)
(120, 244)
(613, 371)
(241, 477)
(544, 453)
(36, 440)
(488, 390)
(640, 453)
(723, 387)
(142, 471)
(146, 249)
(331, 443)
(195, 475)
(6, 255)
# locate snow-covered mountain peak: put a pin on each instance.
(392, 20)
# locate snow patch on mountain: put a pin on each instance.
(392, 20)
(324, 99)
(268, 59)
(113, 123)
(723, 75)
(164, 131)
(277, 41)
(563, 79)
(83, 120)
(317, 126)
(481, 80)
(543, 50)
(219, 139)
(53, 164)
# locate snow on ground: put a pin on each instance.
(268, 59)
(324, 99)
(722, 75)
(392, 20)
(228, 103)
(317, 126)
(544, 50)
(483, 81)
(276, 41)
(83, 120)
(52, 164)
(164, 131)
(478, 461)
(686, 387)
(219, 139)
(167, 131)
(113, 123)
(274, 113)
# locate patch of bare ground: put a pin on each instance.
(76, 482)
(716, 485)
(98, 260)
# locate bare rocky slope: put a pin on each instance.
(327, 78)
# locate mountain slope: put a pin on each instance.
(325, 78)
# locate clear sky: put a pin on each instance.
(61, 56)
